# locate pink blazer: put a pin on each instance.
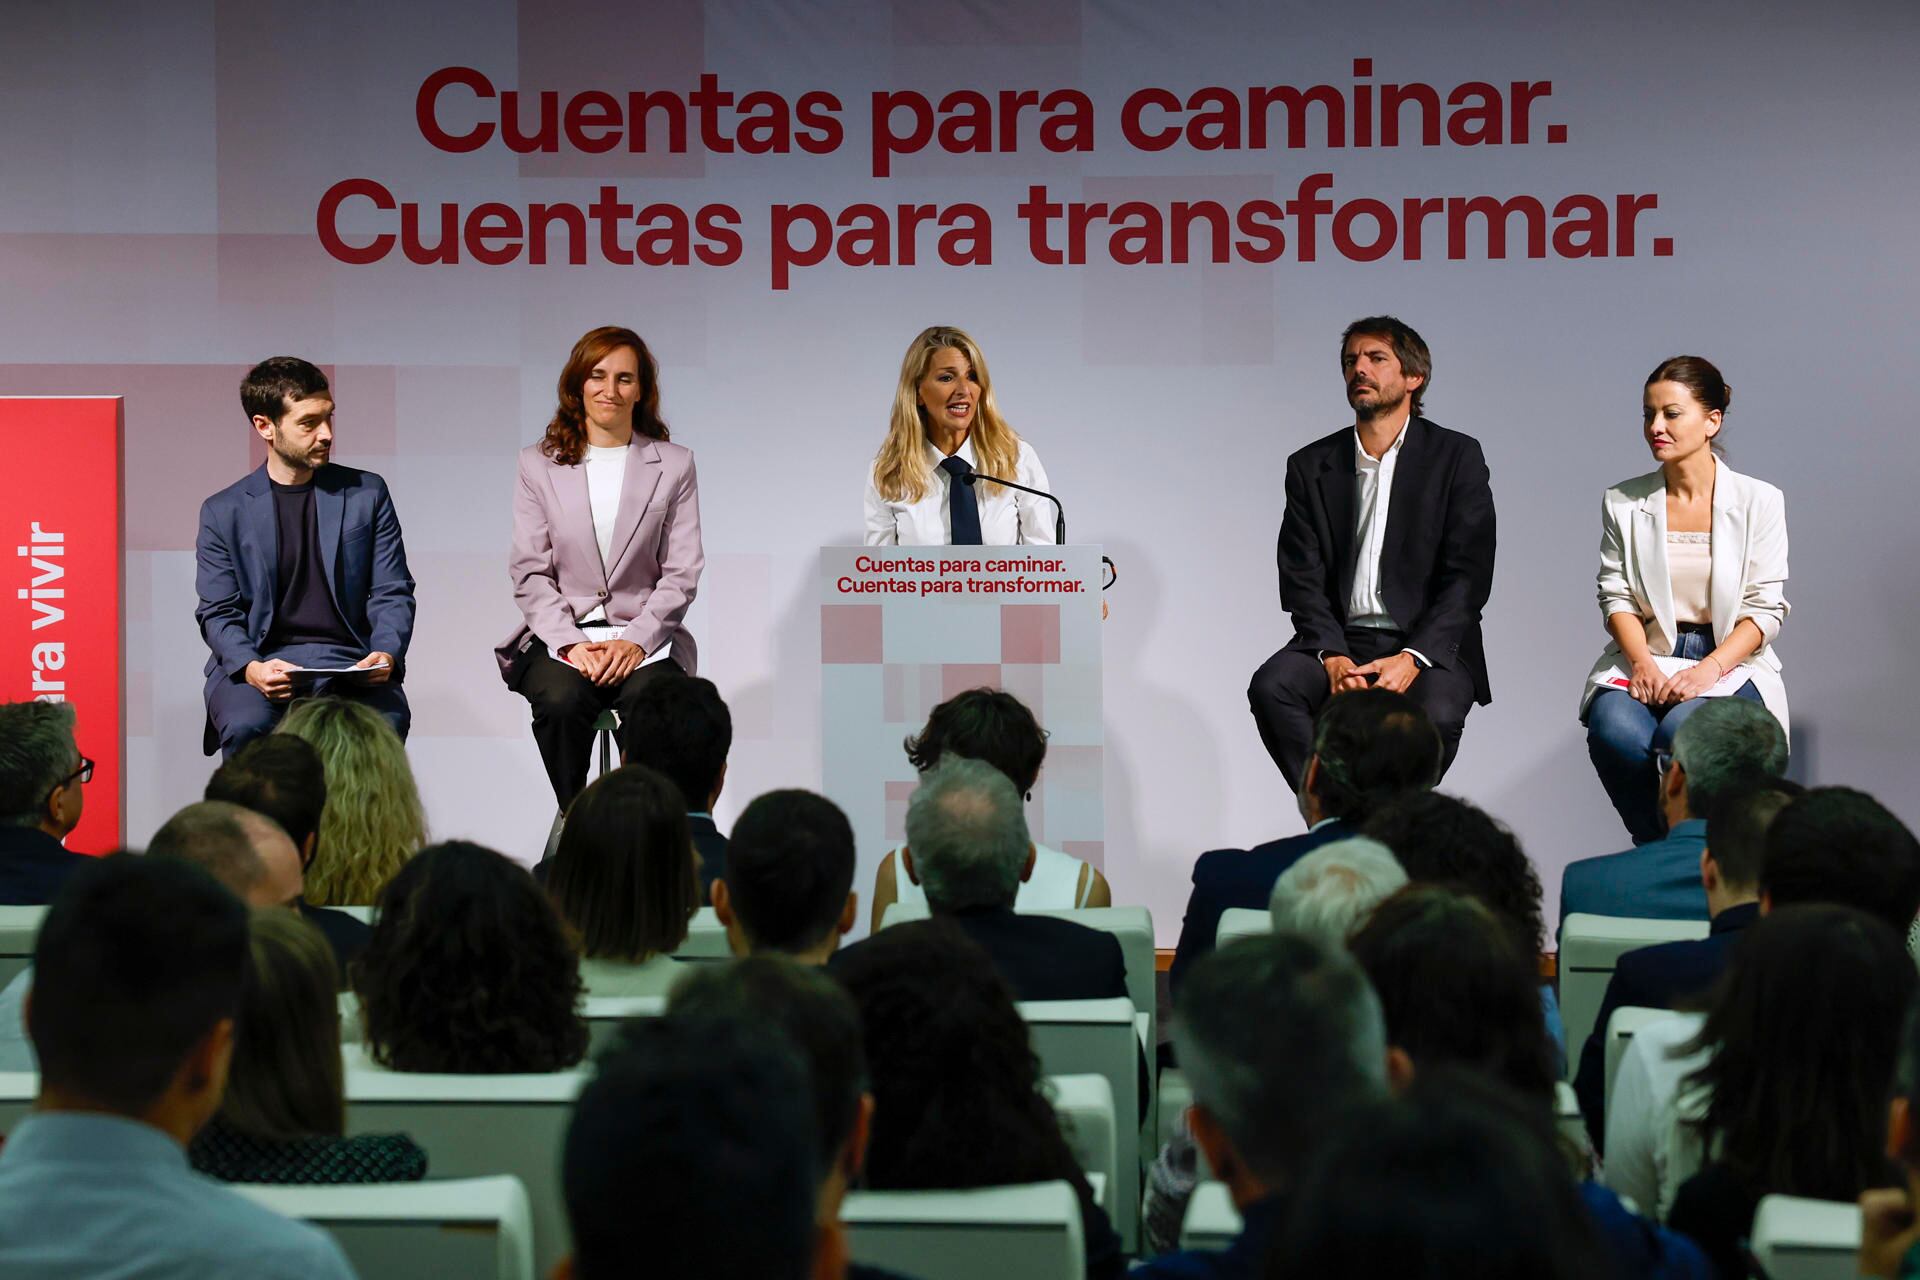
(656, 560)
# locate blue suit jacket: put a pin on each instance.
(1656, 977)
(1659, 880)
(236, 558)
(1238, 878)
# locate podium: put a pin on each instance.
(902, 629)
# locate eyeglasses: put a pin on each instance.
(82, 775)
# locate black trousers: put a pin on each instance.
(1289, 689)
(565, 704)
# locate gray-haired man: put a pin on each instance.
(41, 777)
(967, 843)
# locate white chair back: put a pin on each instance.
(17, 1092)
(1590, 947)
(1621, 1027)
(1084, 1104)
(1799, 1239)
(1211, 1222)
(1079, 1037)
(1010, 1233)
(1566, 1113)
(19, 926)
(364, 914)
(474, 1227)
(706, 938)
(605, 1014)
(1241, 922)
(477, 1126)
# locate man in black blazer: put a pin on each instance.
(1386, 556)
(967, 844)
(682, 728)
(42, 774)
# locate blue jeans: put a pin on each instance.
(1624, 735)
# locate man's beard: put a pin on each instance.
(297, 461)
(1379, 408)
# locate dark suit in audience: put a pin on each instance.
(1041, 957)
(1656, 977)
(33, 866)
(712, 848)
(1226, 878)
(1659, 880)
(1240, 1260)
(346, 934)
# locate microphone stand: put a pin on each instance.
(1060, 520)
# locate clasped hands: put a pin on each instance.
(605, 662)
(1396, 672)
(1650, 685)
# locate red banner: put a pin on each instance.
(61, 605)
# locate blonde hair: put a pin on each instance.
(900, 470)
(373, 821)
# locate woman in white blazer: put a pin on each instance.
(944, 426)
(1693, 570)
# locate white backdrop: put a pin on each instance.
(161, 167)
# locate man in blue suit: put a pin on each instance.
(1369, 745)
(299, 566)
(1735, 743)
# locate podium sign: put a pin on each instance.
(60, 607)
(903, 629)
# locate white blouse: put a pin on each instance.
(1007, 516)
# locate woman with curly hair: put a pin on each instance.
(283, 1116)
(1441, 839)
(469, 970)
(606, 553)
(957, 1091)
(1802, 1034)
(997, 728)
(372, 822)
(625, 881)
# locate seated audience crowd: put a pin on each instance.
(1379, 1082)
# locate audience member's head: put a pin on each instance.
(1331, 891)
(137, 973)
(691, 1153)
(1454, 1180)
(1441, 839)
(987, 725)
(1737, 840)
(373, 821)
(1725, 744)
(40, 767)
(1280, 1035)
(1369, 745)
(286, 1080)
(1803, 1030)
(280, 776)
(967, 839)
(469, 970)
(788, 886)
(1456, 990)
(1835, 844)
(678, 726)
(818, 1016)
(623, 876)
(244, 850)
(956, 1087)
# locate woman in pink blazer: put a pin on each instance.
(606, 553)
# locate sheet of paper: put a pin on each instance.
(316, 673)
(1617, 676)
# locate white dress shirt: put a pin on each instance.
(1373, 493)
(606, 475)
(1007, 516)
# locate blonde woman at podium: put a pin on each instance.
(930, 486)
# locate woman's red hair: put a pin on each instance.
(566, 438)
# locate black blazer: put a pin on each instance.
(33, 866)
(1436, 567)
(1041, 957)
(347, 935)
(1225, 878)
(712, 848)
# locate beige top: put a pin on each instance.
(1690, 570)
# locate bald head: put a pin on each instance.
(243, 850)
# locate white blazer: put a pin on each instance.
(1007, 516)
(1748, 577)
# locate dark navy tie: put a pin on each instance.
(961, 504)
